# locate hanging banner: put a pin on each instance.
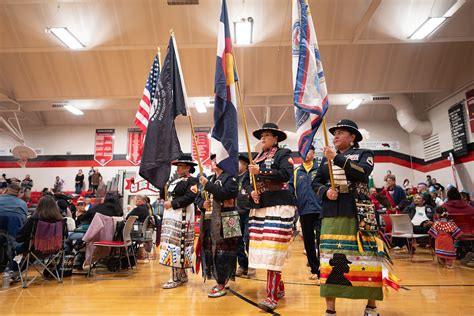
(203, 144)
(138, 186)
(470, 107)
(104, 146)
(135, 145)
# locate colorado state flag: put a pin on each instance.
(225, 131)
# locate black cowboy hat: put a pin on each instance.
(273, 128)
(244, 157)
(339, 258)
(188, 160)
(349, 126)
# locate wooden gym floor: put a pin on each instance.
(428, 290)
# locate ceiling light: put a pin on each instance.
(200, 107)
(65, 36)
(73, 110)
(428, 27)
(454, 8)
(243, 31)
(354, 104)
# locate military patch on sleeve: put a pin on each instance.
(290, 160)
(370, 161)
(194, 188)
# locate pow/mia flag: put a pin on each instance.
(161, 141)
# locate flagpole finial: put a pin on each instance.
(171, 32)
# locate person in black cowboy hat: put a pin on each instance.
(271, 204)
(351, 167)
(243, 207)
(178, 215)
(220, 229)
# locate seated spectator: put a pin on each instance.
(141, 208)
(434, 196)
(27, 183)
(80, 208)
(438, 187)
(455, 204)
(421, 215)
(11, 204)
(406, 184)
(423, 190)
(46, 191)
(88, 203)
(466, 196)
(46, 211)
(111, 207)
(58, 185)
(395, 193)
(3, 181)
(373, 198)
(64, 208)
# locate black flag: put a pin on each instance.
(161, 141)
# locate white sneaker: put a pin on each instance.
(371, 312)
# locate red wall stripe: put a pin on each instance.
(125, 163)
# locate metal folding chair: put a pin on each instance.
(403, 228)
(125, 244)
(145, 237)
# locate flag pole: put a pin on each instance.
(242, 110)
(244, 118)
(198, 156)
(326, 143)
(158, 52)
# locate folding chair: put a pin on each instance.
(45, 252)
(403, 228)
(145, 237)
(125, 244)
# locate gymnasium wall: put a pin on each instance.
(441, 168)
(65, 149)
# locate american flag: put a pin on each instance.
(148, 99)
(310, 92)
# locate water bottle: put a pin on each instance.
(6, 279)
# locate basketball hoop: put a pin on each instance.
(23, 153)
(22, 162)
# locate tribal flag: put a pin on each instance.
(149, 98)
(310, 95)
(161, 141)
(225, 131)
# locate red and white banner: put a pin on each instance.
(135, 145)
(141, 185)
(104, 146)
(203, 144)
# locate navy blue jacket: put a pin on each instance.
(306, 200)
(357, 165)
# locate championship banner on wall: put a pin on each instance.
(141, 185)
(135, 145)
(203, 144)
(104, 146)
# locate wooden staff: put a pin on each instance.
(158, 52)
(326, 143)
(187, 108)
(244, 118)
